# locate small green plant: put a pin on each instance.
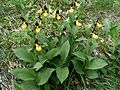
(62, 48)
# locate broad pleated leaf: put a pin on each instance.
(65, 48)
(96, 64)
(62, 73)
(23, 54)
(44, 75)
(23, 73)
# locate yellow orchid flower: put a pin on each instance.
(58, 17)
(108, 54)
(95, 36)
(40, 23)
(40, 11)
(99, 25)
(78, 24)
(38, 47)
(45, 14)
(77, 4)
(71, 10)
(37, 29)
(24, 25)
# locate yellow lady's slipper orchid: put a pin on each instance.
(40, 23)
(45, 14)
(58, 17)
(71, 10)
(64, 33)
(40, 11)
(38, 47)
(99, 25)
(24, 25)
(37, 29)
(77, 4)
(95, 36)
(78, 24)
(108, 54)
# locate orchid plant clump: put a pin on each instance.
(63, 48)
